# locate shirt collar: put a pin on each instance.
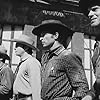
(58, 50)
(25, 57)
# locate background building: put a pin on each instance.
(20, 16)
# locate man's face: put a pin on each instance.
(47, 39)
(19, 50)
(94, 15)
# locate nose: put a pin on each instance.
(91, 13)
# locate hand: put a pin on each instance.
(87, 97)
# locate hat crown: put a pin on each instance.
(51, 21)
(26, 39)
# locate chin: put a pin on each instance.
(95, 24)
(17, 55)
(44, 46)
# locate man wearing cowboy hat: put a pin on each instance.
(6, 76)
(27, 84)
(62, 71)
(91, 8)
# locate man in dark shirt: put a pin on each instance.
(91, 8)
(62, 71)
(6, 76)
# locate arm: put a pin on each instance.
(6, 81)
(77, 77)
(87, 97)
(91, 94)
(35, 81)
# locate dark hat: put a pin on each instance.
(3, 53)
(85, 4)
(52, 26)
(26, 40)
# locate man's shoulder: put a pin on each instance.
(34, 60)
(67, 53)
(71, 55)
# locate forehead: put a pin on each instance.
(46, 33)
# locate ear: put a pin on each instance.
(56, 35)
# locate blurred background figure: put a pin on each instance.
(91, 8)
(6, 76)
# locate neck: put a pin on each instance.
(24, 55)
(96, 29)
(55, 45)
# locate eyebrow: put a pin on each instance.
(93, 7)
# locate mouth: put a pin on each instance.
(43, 43)
(92, 19)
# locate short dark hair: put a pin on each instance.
(62, 38)
(3, 60)
(86, 4)
(25, 47)
(28, 49)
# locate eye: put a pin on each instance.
(94, 9)
(42, 34)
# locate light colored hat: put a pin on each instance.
(52, 25)
(26, 40)
(3, 53)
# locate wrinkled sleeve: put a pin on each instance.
(6, 81)
(77, 77)
(92, 92)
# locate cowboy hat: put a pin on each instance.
(26, 40)
(86, 4)
(3, 53)
(51, 26)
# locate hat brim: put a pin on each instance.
(61, 28)
(22, 42)
(4, 56)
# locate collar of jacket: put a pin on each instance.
(56, 51)
(25, 58)
(59, 50)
